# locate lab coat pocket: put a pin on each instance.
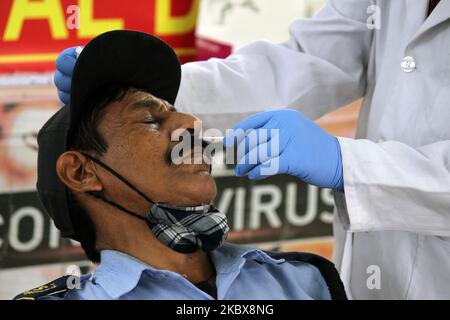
(438, 114)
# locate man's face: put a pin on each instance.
(138, 132)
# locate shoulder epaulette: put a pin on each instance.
(55, 288)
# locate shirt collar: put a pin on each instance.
(230, 257)
(119, 273)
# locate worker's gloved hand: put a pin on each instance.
(304, 149)
(63, 75)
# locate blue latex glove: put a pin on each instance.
(305, 150)
(63, 75)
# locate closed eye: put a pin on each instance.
(151, 123)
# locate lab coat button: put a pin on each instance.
(408, 64)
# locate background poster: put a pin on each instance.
(279, 213)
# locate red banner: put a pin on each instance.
(33, 32)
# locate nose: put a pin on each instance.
(186, 129)
(179, 122)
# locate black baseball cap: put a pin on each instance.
(116, 58)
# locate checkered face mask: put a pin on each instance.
(184, 229)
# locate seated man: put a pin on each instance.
(106, 177)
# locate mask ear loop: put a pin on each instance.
(118, 206)
(131, 186)
(118, 176)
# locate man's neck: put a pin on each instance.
(138, 241)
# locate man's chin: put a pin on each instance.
(204, 194)
(193, 182)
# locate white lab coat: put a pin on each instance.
(395, 212)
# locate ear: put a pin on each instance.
(77, 172)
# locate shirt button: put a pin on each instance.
(408, 64)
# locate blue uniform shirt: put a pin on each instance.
(242, 273)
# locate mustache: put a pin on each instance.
(194, 141)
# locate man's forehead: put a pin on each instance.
(144, 100)
(135, 101)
